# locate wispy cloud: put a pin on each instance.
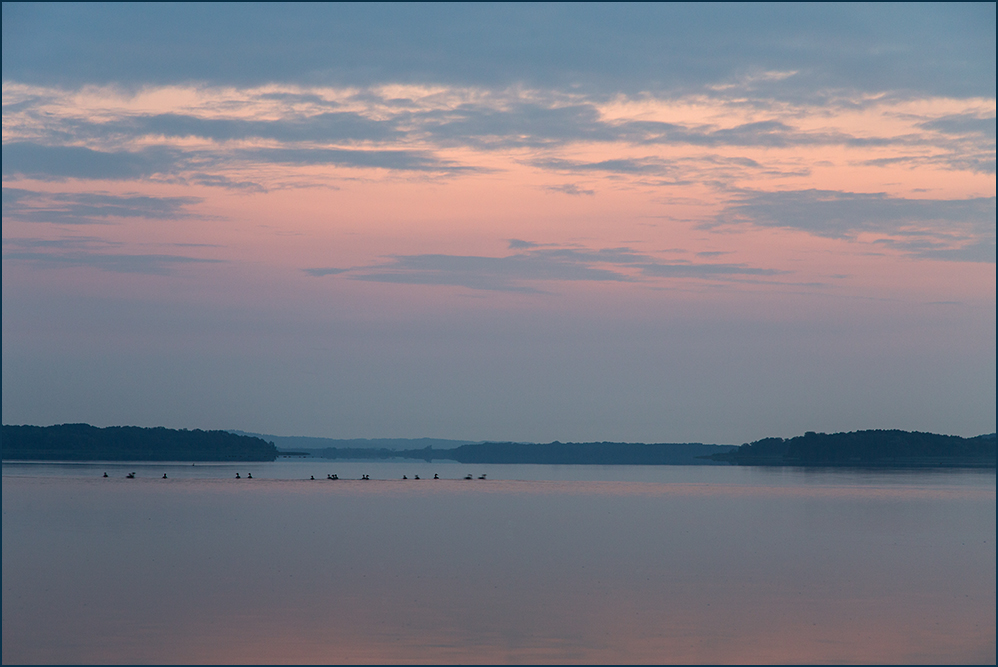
(328, 271)
(962, 125)
(570, 189)
(936, 228)
(224, 139)
(56, 163)
(648, 165)
(535, 265)
(686, 169)
(92, 252)
(81, 208)
(981, 162)
(401, 160)
(840, 214)
(46, 162)
(337, 127)
(927, 248)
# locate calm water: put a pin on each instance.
(537, 564)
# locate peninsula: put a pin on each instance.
(872, 448)
(83, 442)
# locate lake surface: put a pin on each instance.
(537, 564)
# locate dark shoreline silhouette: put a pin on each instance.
(869, 449)
(83, 442)
(872, 448)
(553, 453)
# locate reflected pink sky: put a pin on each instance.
(845, 570)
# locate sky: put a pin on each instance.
(650, 223)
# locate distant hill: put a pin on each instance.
(301, 443)
(83, 442)
(589, 453)
(868, 448)
(860, 448)
(565, 453)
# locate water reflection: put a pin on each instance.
(690, 565)
(303, 469)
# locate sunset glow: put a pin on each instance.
(351, 255)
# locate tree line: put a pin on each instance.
(871, 447)
(83, 442)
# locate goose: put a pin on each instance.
(311, 476)
(130, 475)
(482, 477)
(436, 476)
(249, 475)
(164, 475)
(469, 477)
(237, 476)
(105, 474)
(415, 476)
(404, 477)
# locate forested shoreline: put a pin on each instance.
(871, 448)
(552, 453)
(83, 442)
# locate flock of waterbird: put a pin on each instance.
(368, 477)
(334, 477)
(131, 475)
